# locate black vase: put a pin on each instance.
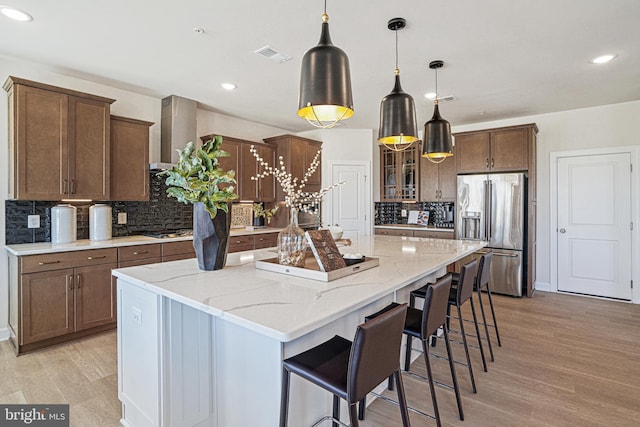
(211, 237)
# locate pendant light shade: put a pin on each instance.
(325, 83)
(398, 126)
(438, 143)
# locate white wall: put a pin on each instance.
(220, 124)
(597, 127)
(343, 144)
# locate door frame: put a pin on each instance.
(634, 152)
(327, 203)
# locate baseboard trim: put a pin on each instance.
(4, 334)
(543, 286)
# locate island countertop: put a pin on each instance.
(283, 307)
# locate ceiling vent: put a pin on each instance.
(272, 54)
(447, 98)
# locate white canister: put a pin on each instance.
(100, 222)
(63, 224)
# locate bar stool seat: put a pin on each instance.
(350, 370)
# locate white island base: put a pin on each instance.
(205, 348)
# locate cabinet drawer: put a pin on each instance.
(433, 234)
(240, 243)
(132, 253)
(394, 232)
(178, 257)
(268, 240)
(135, 262)
(60, 260)
(178, 248)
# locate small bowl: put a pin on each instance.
(351, 261)
(336, 232)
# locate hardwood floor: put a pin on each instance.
(564, 361)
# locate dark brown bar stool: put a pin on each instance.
(351, 370)
(422, 324)
(482, 283)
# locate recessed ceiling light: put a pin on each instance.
(430, 95)
(603, 59)
(16, 14)
(228, 86)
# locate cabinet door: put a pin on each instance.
(129, 159)
(231, 163)
(314, 181)
(46, 305)
(509, 150)
(447, 180)
(248, 168)
(89, 149)
(40, 157)
(240, 243)
(266, 186)
(266, 240)
(408, 177)
(429, 181)
(388, 174)
(394, 232)
(296, 161)
(472, 152)
(95, 303)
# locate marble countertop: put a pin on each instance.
(414, 227)
(284, 307)
(81, 245)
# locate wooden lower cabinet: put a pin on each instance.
(174, 251)
(59, 297)
(248, 242)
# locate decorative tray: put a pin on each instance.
(312, 271)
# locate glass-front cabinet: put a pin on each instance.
(399, 174)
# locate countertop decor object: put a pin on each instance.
(325, 250)
(100, 222)
(291, 241)
(197, 178)
(63, 224)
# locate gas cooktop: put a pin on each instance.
(165, 234)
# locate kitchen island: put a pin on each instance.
(200, 348)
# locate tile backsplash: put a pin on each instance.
(440, 213)
(157, 214)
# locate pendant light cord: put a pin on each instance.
(325, 7)
(396, 48)
(436, 100)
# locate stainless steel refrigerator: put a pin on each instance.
(492, 207)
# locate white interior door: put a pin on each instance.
(351, 201)
(594, 225)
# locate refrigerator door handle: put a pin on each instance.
(512, 255)
(490, 210)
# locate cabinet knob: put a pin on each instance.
(96, 257)
(48, 262)
(487, 163)
(141, 252)
(492, 162)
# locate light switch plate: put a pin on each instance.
(33, 221)
(122, 217)
(403, 213)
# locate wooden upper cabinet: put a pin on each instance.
(495, 150)
(438, 180)
(58, 142)
(246, 166)
(400, 173)
(297, 154)
(129, 159)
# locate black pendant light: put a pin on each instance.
(325, 82)
(398, 128)
(438, 144)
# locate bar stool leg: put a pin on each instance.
(475, 322)
(484, 321)
(452, 367)
(493, 314)
(404, 409)
(466, 350)
(336, 411)
(284, 398)
(353, 415)
(432, 388)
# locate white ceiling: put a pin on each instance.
(503, 58)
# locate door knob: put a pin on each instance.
(562, 230)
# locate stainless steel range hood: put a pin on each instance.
(177, 127)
